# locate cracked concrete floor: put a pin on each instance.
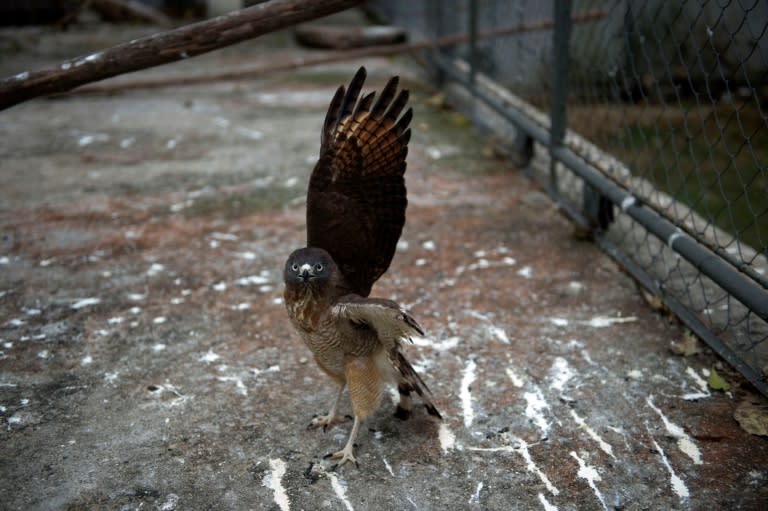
(147, 361)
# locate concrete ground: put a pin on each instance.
(147, 361)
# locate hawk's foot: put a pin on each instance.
(325, 421)
(344, 455)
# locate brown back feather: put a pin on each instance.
(357, 198)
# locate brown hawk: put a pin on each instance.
(355, 213)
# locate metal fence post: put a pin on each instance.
(472, 31)
(560, 56)
(436, 15)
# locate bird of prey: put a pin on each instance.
(355, 213)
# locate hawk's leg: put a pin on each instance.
(346, 454)
(323, 421)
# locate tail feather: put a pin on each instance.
(410, 381)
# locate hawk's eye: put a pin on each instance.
(295, 267)
(318, 267)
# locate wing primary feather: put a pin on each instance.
(397, 105)
(404, 121)
(331, 117)
(385, 97)
(364, 104)
(404, 139)
(350, 98)
(408, 319)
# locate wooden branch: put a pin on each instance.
(178, 44)
(288, 64)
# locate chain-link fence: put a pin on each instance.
(648, 122)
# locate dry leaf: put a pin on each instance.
(437, 101)
(752, 416)
(654, 301)
(687, 346)
(459, 120)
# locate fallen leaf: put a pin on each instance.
(653, 300)
(687, 346)
(438, 100)
(459, 120)
(752, 416)
(716, 382)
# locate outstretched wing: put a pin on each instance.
(357, 198)
(391, 322)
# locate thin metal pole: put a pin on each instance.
(561, 40)
(472, 31)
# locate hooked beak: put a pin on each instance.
(306, 273)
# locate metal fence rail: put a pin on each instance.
(650, 120)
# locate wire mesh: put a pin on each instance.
(667, 99)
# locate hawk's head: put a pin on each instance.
(309, 267)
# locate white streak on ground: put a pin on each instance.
(595, 322)
(590, 475)
(522, 450)
(604, 446)
(475, 498)
(389, 467)
(270, 369)
(517, 380)
(478, 315)
(89, 139)
(494, 331)
(209, 357)
(155, 269)
(700, 382)
(604, 321)
(466, 394)
(525, 272)
(545, 503)
(85, 302)
(340, 490)
(534, 410)
(561, 372)
(224, 236)
(559, 321)
(252, 279)
(678, 486)
(684, 442)
(587, 358)
(446, 437)
(241, 388)
(273, 480)
(498, 333)
(445, 345)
